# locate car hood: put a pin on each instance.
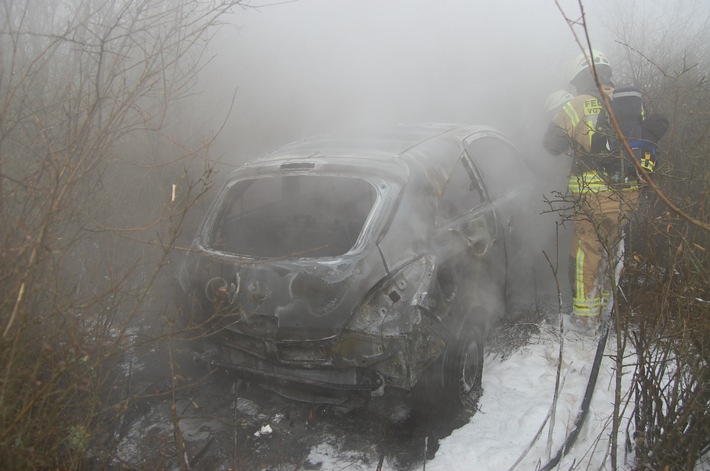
(303, 299)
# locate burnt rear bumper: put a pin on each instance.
(324, 382)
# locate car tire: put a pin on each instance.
(463, 368)
(453, 382)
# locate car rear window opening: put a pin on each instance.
(292, 216)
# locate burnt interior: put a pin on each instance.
(287, 216)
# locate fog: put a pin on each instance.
(315, 66)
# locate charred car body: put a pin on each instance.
(341, 266)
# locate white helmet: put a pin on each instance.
(556, 100)
(583, 62)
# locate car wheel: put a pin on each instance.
(463, 368)
(453, 382)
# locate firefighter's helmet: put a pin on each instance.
(582, 64)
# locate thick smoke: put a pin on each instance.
(316, 66)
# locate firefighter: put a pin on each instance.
(604, 193)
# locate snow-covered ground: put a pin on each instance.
(517, 398)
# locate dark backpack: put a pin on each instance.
(641, 134)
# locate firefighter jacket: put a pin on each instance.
(576, 127)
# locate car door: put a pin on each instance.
(467, 241)
(506, 179)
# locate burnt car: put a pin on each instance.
(343, 266)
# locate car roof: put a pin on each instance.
(377, 144)
(422, 154)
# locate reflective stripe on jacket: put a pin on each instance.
(593, 181)
(578, 119)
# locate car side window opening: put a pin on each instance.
(498, 161)
(462, 194)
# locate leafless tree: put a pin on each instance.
(92, 160)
